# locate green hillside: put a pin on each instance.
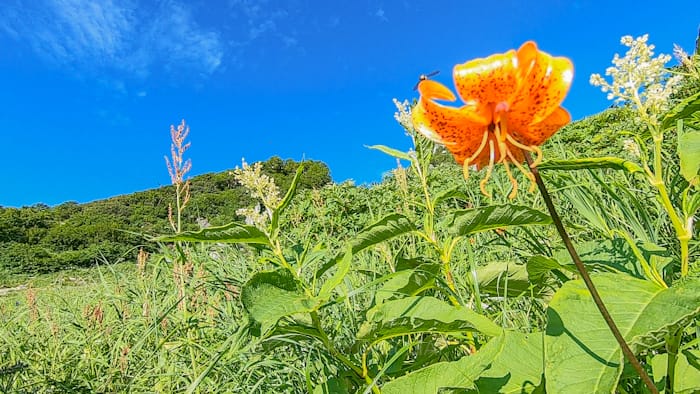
(42, 239)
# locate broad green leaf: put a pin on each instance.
(687, 374)
(413, 315)
(614, 163)
(391, 152)
(501, 278)
(682, 110)
(582, 356)
(689, 154)
(230, 233)
(272, 295)
(408, 282)
(608, 255)
(274, 222)
(538, 267)
(469, 221)
(508, 363)
(386, 228)
(456, 191)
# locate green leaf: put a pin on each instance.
(508, 363)
(413, 315)
(391, 152)
(689, 154)
(332, 386)
(342, 269)
(452, 192)
(501, 278)
(538, 267)
(272, 295)
(230, 233)
(608, 255)
(408, 282)
(687, 374)
(274, 222)
(682, 110)
(582, 356)
(469, 221)
(614, 163)
(386, 228)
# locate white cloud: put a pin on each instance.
(257, 19)
(113, 35)
(381, 15)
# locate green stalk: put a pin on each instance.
(359, 371)
(475, 281)
(657, 181)
(586, 278)
(672, 345)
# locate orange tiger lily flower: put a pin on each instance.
(512, 103)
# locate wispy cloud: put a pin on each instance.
(114, 35)
(381, 14)
(258, 19)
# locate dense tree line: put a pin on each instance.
(39, 238)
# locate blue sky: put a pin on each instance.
(89, 89)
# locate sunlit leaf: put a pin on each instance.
(391, 152)
(501, 278)
(270, 296)
(687, 373)
(689, 154)
(682, 110)
(614, 163)
(412, 315)
(508, 363)
(274, 223)
(342, 269)
(384, 229)
(230, 233)
(409, 282)
(582, 356)
(469, 221)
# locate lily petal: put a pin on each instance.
(435, 90)
(538, 133)
(456, 128)
(544, 82)
(488, 80)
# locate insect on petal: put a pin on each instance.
(456, 128)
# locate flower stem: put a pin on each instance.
(587, 279)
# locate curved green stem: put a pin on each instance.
(587, 279)
(359, 371)
(672, 345)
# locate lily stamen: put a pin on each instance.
(531, 148)
(492, 159)
(467, 162)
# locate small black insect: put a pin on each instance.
(423, 77)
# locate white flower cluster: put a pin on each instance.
(403, 115)
(630, 146)
(639, 78)
(261, 187)
(255, 216)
